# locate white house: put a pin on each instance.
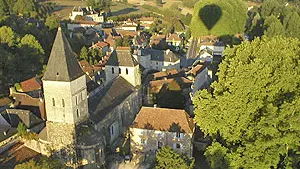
(160, 60)
(212, 43)
(89, 13)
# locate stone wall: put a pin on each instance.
(143, 140)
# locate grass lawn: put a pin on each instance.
(64, 7)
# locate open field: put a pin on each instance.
(121, 9)
(64, 7)
(167, 4)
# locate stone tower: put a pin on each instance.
(65, 94)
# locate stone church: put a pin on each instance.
(82, 129)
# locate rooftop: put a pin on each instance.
(62, 64)
(164, 119)
(122, 58)
(108, 98)
(31, 84)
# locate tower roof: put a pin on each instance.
(62, 64)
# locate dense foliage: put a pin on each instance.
(99, 4)
(254, 110)
(44, 163)
(275, 17)
(166, 158)
(219, 18)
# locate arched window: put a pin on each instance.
(63, 102)
(119, 70)
(126, 71)
(112, 70)
(53, 102)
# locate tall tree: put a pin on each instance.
(254, 109)
(166, 158)
(84, 53)
(273, 27)
(25, 7)
(7, 35)
(52, 22)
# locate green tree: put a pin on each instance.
(84, 53)
(273, 27)
(44, 163)
(32, 42)
(25, 7)
(220, 18)
(3, 7)
(7, 35)
(21, 129)
(52, 22)
(292, 25)
(254, 108)
(166, 158)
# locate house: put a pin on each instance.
(89, 13)
(154, 128)
(161, 60)
(158, 42)
(146, 20)
(129, 27)
(212, 43)
(173, 40)
(103, 46)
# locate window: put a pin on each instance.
(53, 102)
(112, 130)
(77, 112)
(63, 102)
(119, 70)
(112, 70)
(177, 146)
(179, 135)
(126, 71)
(159, 144)
(143, 141)
(157, 63)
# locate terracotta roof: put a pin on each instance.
(25, 99)
(31, 85)
(164, 119)
(100, 44)
(146, 19)
(62, 64)
(156, 85)
(195, 70)
(128, 33)
(165, 73)
(4, 101)
(173, 37)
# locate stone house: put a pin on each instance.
(154, 128)
(160, 60)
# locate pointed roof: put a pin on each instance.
(62, 64)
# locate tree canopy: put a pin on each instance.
(166, 158)
(219, 18)
(253, 110)
(274, 17)
(44, 163)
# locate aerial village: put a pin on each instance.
(119, 107)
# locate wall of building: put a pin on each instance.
(66, 102)
(133, 76)
(143, 140)
(163, 65)
(122, 116)
(200, 81)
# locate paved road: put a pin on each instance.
(192, 51)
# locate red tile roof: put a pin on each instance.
(30, 85)
(173, 37)
(100, 44)
(164, 119)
